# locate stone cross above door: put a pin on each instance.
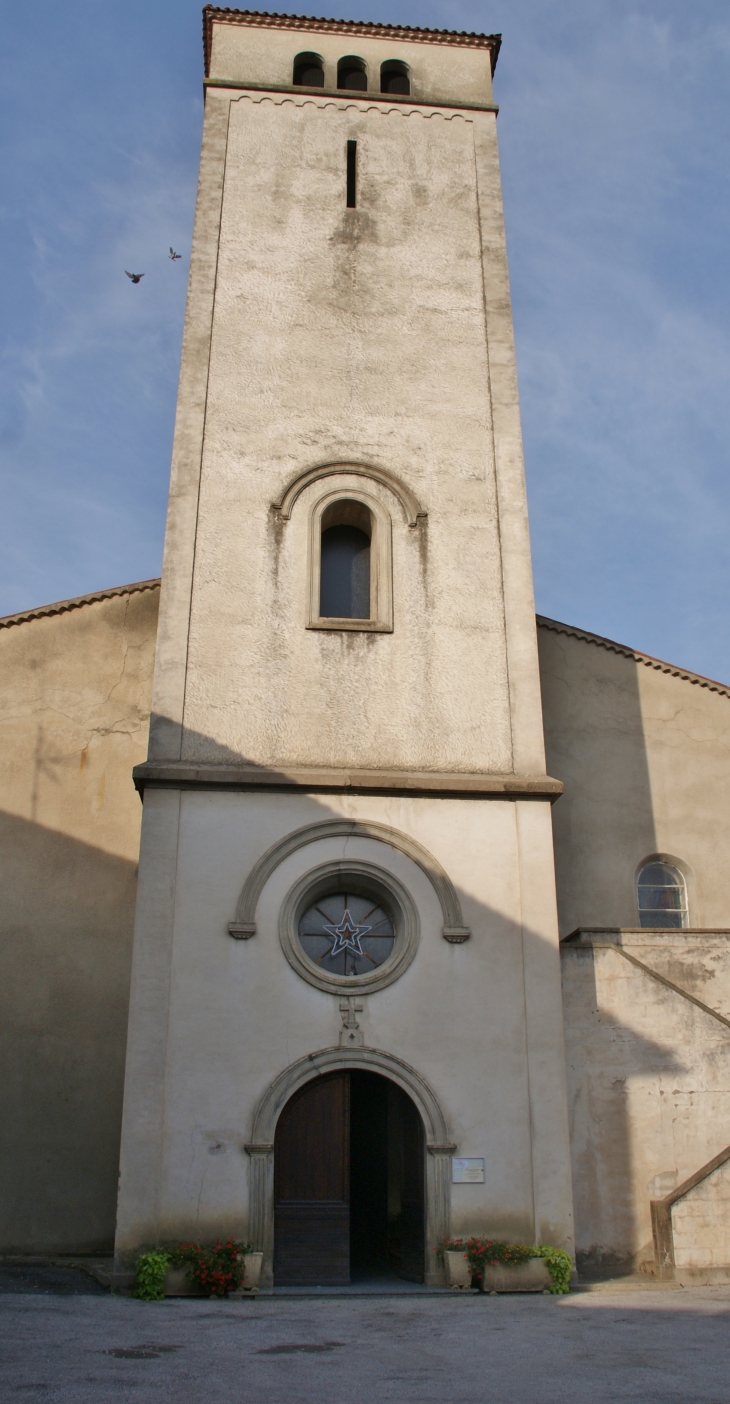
(351, 1035)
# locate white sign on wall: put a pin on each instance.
(467, 1170)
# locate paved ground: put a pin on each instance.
(650, 1346)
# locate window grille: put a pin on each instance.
(662, 894)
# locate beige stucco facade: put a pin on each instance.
(646, 1066)
(75, 683)
(359, 354)
(649, 1090)
(642, 749)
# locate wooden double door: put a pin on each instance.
(349, 1183)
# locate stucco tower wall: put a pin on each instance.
(362, 351)
(384, 337)
(168, 692)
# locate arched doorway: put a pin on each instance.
(349, 1182)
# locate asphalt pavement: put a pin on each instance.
(653, 1346)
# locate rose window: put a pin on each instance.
(346, 934)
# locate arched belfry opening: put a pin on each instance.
(349, 1183)
(308, 71)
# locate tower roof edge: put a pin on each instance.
(264, 19)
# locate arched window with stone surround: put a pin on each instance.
(308, 71)
(357, 501)
(662, 895)
(350, 565)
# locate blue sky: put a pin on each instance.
(614, 137)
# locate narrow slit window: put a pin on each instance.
(351, 175)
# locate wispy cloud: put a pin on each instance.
(614, 128)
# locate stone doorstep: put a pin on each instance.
(300, 1294)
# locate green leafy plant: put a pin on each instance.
(151, 1272)
(559, 1266)
(214, 1271)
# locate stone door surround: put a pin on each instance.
(439, 1149)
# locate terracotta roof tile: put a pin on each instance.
(63, 605)
(645, 658)
(266, 20)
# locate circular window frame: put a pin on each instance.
(350, 875)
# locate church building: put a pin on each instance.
(382, 807)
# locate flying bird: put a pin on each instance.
(136, 277)
(173, 255)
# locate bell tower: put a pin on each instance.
(346, 870)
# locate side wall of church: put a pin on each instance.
(74, 706)
(644, 754)
(648, 1087)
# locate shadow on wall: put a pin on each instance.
(605, 1056)
(603, 825)
(67, 932)
(483, 989)
(67, 922)
(595, 743)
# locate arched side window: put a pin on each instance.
(352, 74)
(662, 894)
(350, 564)
(394, 77)
(308, 71)
(344, 571)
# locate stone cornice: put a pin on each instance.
(350, 97)
(186, 775)
(642, 935)
(303, 23)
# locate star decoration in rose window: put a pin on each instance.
(346, 936)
